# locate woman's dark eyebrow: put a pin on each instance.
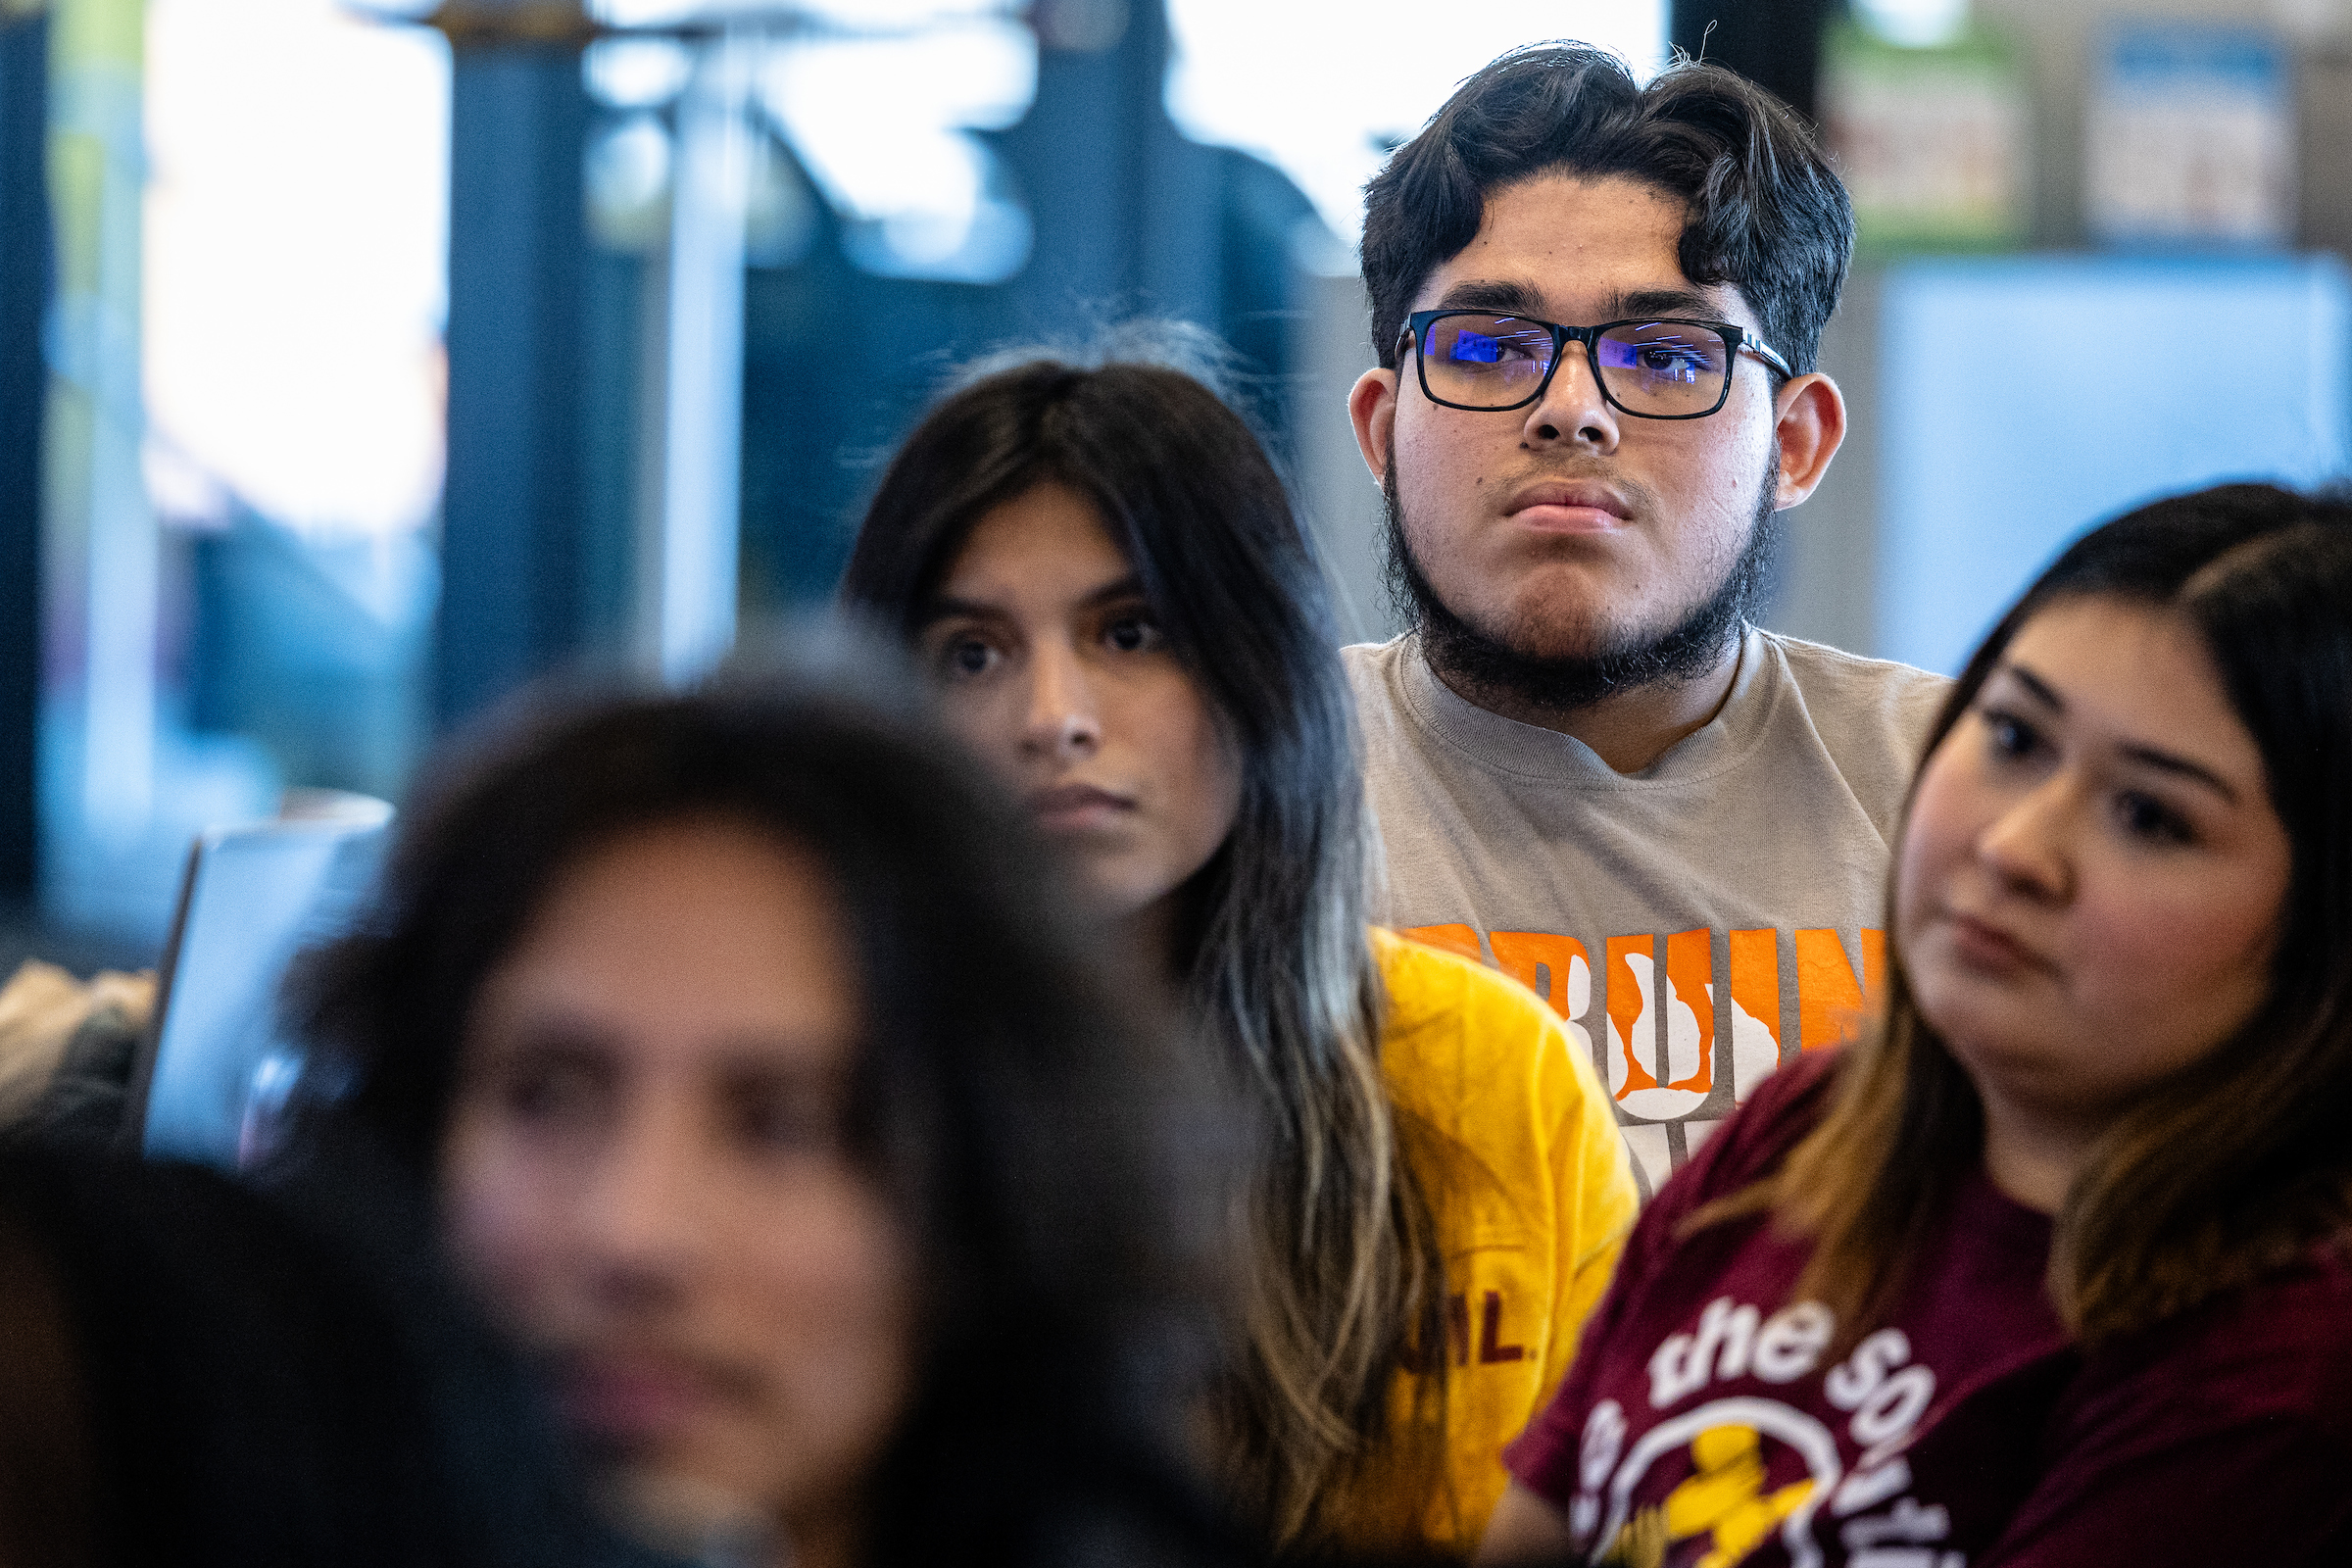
(2034, 683)
(947, 606)
(1130, 586)
(558, 1041)
(2145, 756)
(2180, 768)
(794, 1059)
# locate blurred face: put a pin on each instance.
(1054, 670)
(645, 1173)
(1569, 530)
(2092, 878)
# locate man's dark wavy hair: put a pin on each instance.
(1766, 212)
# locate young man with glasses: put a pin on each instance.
(1595, 306)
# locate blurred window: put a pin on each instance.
(296, 249)
(1322, 89)
(878, 100)
(253, 568)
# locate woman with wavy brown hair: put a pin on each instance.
(2051, 1267)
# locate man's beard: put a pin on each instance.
(1474, 660)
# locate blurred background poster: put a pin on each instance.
(2191, 136)
(1929, 116)
(363, 360)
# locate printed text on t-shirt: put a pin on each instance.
(1664, 1046)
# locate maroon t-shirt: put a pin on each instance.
(1702, 1424)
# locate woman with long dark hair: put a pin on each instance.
(1121, 613)
(2050, 1268)
(770, 1093)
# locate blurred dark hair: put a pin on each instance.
(190, 1376)
(1024, 1115)
(1346, 1272)
(1765, 212)
(2240, 1159)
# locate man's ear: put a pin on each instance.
(1372, 408)
(1810, 422)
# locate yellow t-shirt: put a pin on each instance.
(1517, 1150)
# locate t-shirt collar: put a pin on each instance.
(1511, 747)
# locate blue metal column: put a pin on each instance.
(513, 560)
(1126, 207)
(25, 276)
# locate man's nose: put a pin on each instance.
(1063, 717)
(1572, 411)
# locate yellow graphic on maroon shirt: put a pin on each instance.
(1723, 1499)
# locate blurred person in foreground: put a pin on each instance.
(1122, 615)
(771, 1098)
(1595, 306)
(2051, 1269)
(190, 1377)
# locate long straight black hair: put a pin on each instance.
(1346, 1275)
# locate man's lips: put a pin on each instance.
(1569, 506)
(1075, 807)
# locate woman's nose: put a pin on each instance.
(1063, 716)
(635, 1215)
(2026, 844)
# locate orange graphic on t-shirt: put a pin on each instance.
(1831, 1003)
(1455, 938)
(1690, 977)
(1625, 1009)
(1756, 978)
(1539, 961)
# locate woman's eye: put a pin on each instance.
(549, 1095)
(2144, 816)
(964, 657)
(2010, 735)
(1132, 634)
(788, 1121)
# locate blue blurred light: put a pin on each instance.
(1475, 348)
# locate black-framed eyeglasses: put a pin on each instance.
(1663, 368)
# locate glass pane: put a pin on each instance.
(248, 544)
(1323, 88)
(1664, 367)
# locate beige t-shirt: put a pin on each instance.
(1695, 923)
